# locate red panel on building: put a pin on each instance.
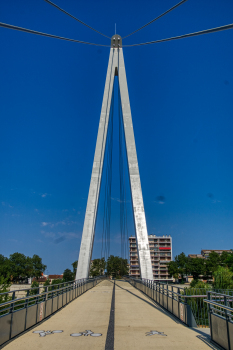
(164, 248)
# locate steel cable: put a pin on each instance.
(9, 26)
(67, 13)
(206, 31)
(155, 19)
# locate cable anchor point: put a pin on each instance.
(116, 41)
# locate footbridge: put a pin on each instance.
(111, 314)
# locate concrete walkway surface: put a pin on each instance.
(89, 311)
(135, 316)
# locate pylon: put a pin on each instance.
(116, 67)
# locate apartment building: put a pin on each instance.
(160, 252)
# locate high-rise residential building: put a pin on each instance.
(160, 252)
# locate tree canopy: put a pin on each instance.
(20, 267)
(208, 268)
(68, 275)
(97, 267)
(116, 266)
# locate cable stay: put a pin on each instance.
(155, 19)
(206, 31)
(76, 19)
(105, 249)
(9, 26)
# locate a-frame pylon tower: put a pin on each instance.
(116, 66)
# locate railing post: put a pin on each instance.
(178, 300)
(12, 311)
(172, 299)
(209, 312)
(26, 307)
(159, 292)
(227, 323)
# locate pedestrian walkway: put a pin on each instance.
(136, 322)
(136, 315)
(90, 311)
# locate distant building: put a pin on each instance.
(205, 253)
(161, 255)
(196, 256)
(55, 277)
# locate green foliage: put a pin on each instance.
(213, 262)
(223, 278)
(75, 264)
(34, 284)
(55, 283)
(37, 265)
(47, 283)
(173, 269)
(117, 266)
(196, 267)
(229, 261)
(20, 267)
(179, 267)
(68, 275)
(97, 267)
(4, 287)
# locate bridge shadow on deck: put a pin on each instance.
(151, 303)
(203, 336)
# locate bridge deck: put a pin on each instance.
(135, 314)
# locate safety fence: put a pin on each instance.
(163, 294)
(19, 314)
(185, 303)
(220, 308)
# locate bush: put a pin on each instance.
(34, 291)
(4, 287)
(223, 278)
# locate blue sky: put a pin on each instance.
(50, 100)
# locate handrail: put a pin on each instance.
(33, 296)
(224, 295)
(26, 289)
(218, 305)
(40, 295)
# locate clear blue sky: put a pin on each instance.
(51, 91)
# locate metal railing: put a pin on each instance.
(220, 309)
(19, 314)
(178, 300)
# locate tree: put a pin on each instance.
(4, 267)
(75, 264)
(117, 266)
(4, 287)
(34, 284)
(19, 266)
(229, 261)
(173, 269)
(38, 267)
(47, 283)
(223, 278)
(55, 282)
(224, 258)
(196, 267)
(212, 263)
(97, 267)
(181, 261)
(68, 275)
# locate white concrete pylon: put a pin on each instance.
(115, 66)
